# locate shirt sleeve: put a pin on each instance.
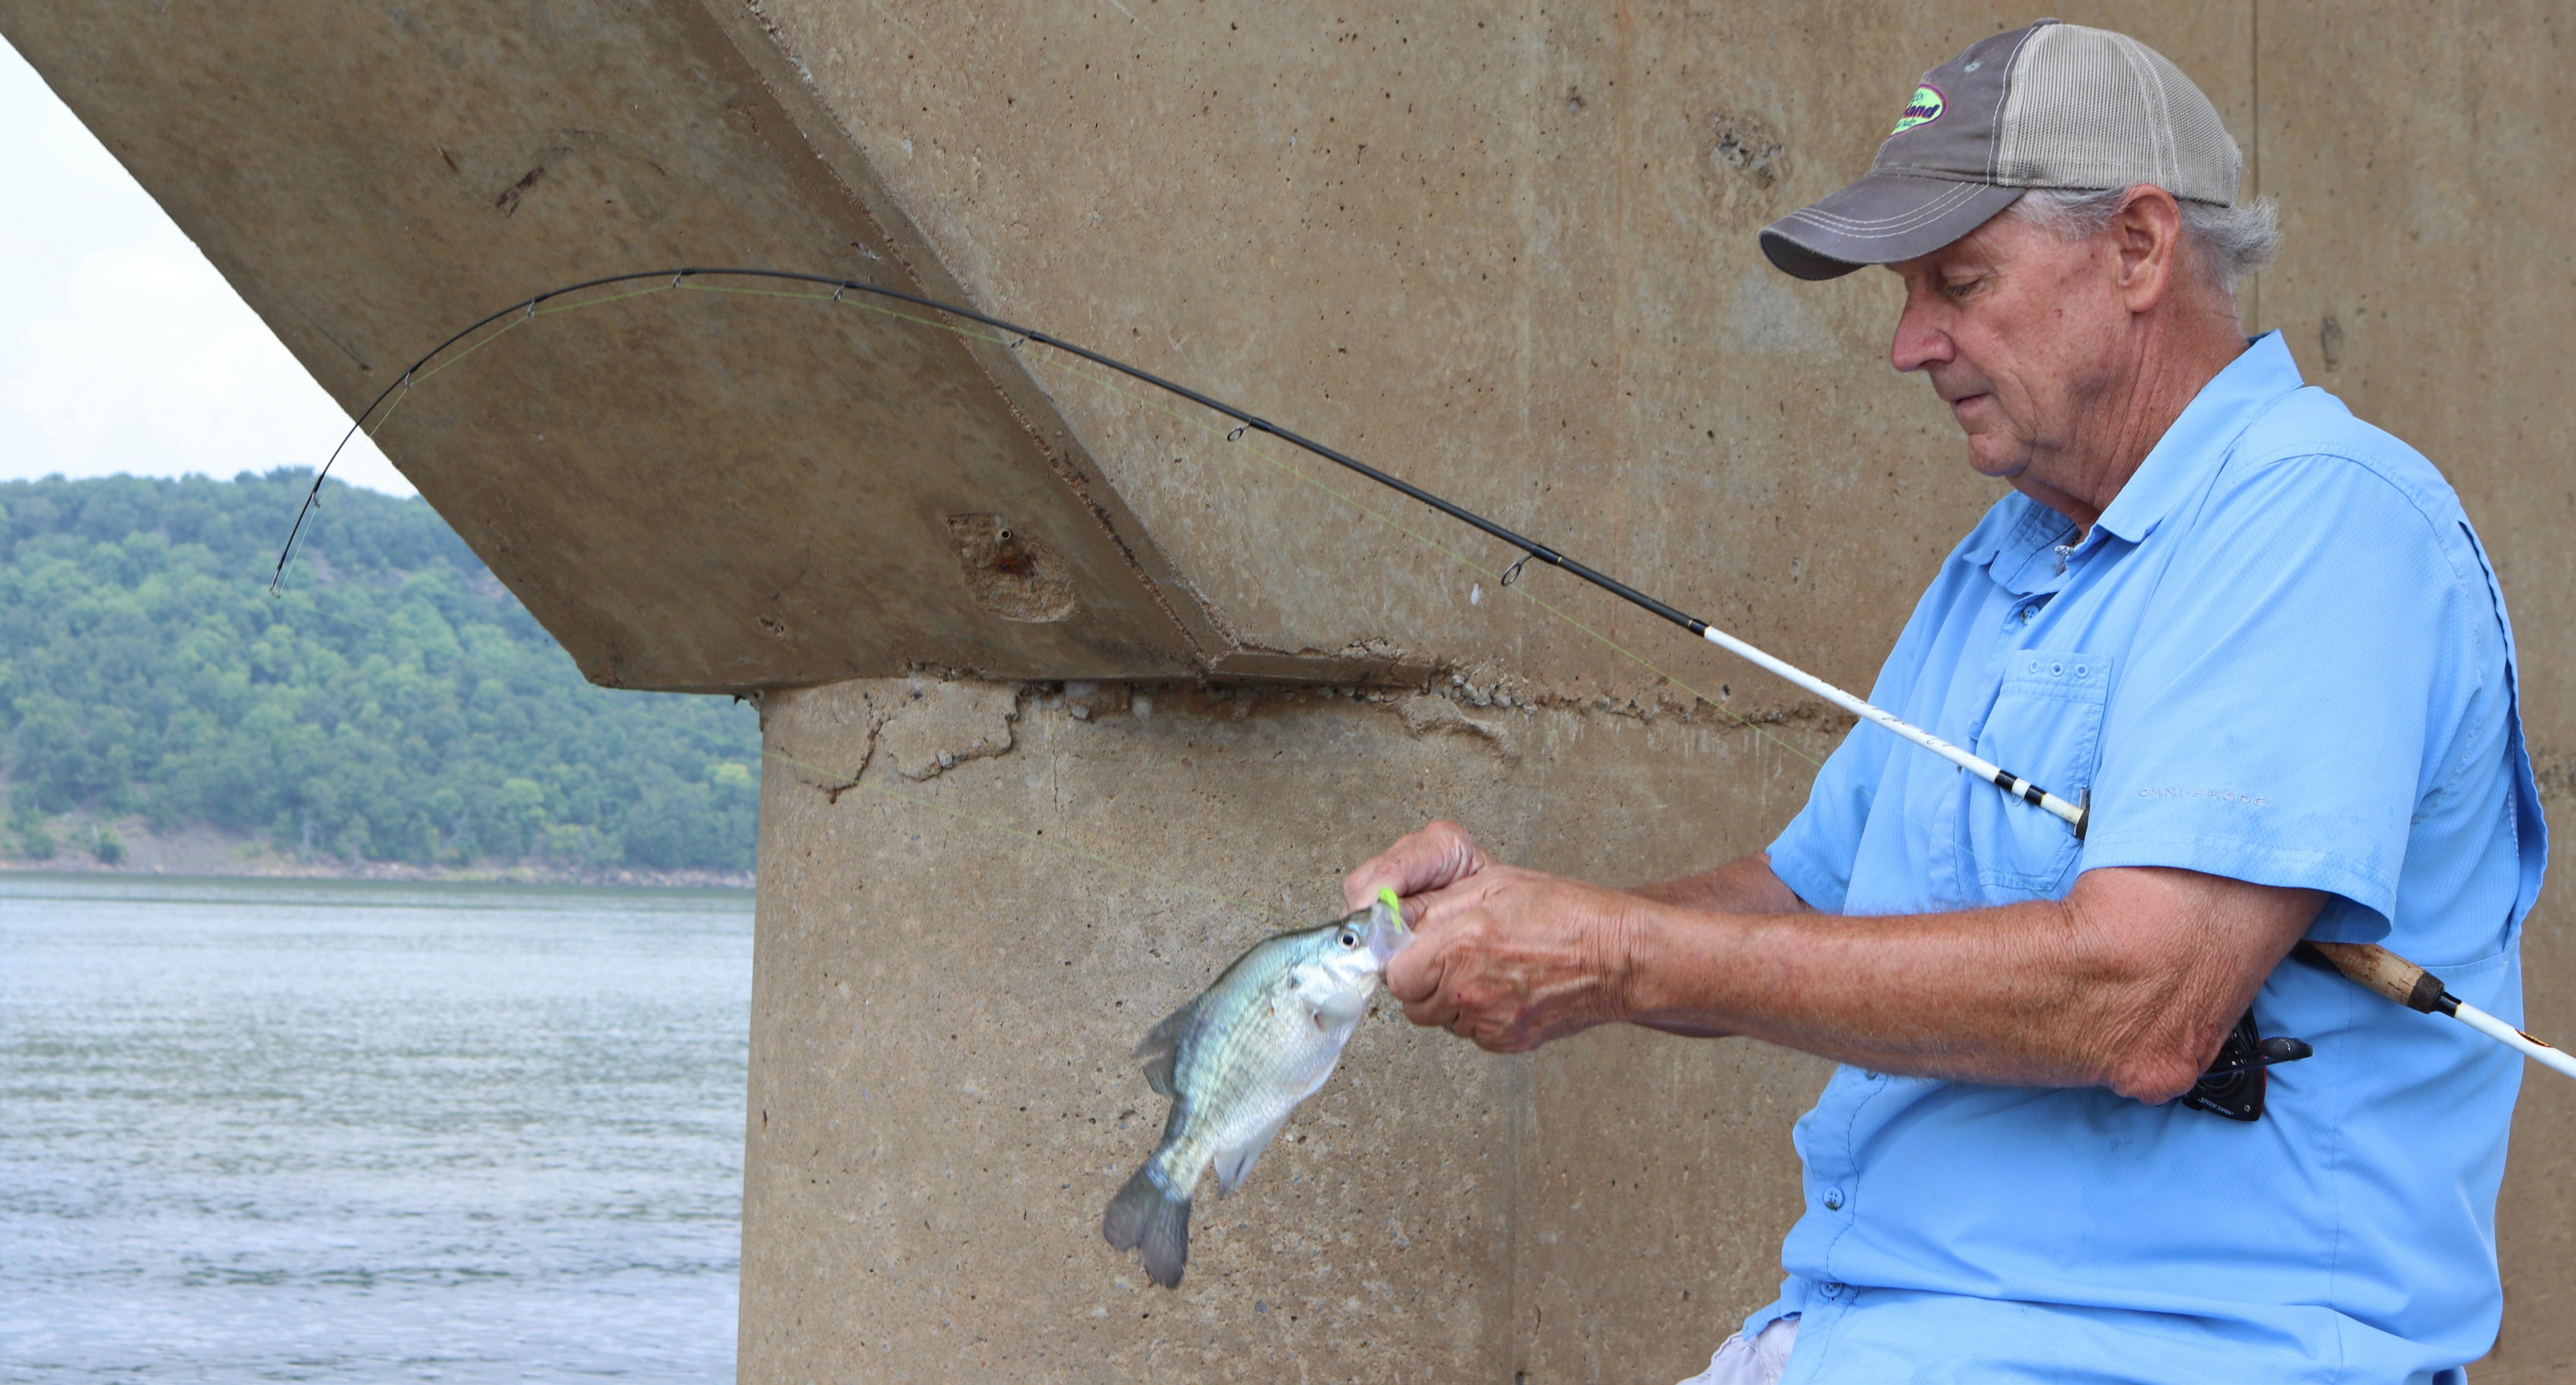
(1815, 853)
(2307, 658)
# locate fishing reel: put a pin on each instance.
(2233, 1085)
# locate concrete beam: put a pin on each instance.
(693, 490)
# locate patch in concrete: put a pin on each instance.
(1011, 574)
(1750, 148)
(1427, 714)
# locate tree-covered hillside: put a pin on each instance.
(396, 704)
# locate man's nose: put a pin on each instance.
(1919, 340)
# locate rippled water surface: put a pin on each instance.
(258, 1131)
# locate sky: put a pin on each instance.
(121, 348)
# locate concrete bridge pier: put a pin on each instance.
(941, 1105)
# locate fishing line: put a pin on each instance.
(520, 314)
(527, 310)
(2076, 814)
(1504, 580)
(401, 390)
(1235, 436)
(686, 279)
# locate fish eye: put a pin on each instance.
(1349, 938)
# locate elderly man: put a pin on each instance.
(2262, 636)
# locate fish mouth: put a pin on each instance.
(1381, 931)
(1386, 937)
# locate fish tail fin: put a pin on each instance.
(1146, 1214)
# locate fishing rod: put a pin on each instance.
(2074, 814)
(2369, 965)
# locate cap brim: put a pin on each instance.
(1882, 219)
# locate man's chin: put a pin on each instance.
(1999, 463)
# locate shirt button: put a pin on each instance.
(1833, 1199)
(1834, 1290)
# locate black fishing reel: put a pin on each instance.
(2233, 1085)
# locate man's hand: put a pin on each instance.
(1435, 858)
(1505, 957)
(1512, 958)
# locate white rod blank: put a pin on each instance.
(1993, 774)
(2555, 1059)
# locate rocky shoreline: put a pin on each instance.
(203, 851)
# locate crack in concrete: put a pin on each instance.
(943, 725)
(922, 727)
(935, 720)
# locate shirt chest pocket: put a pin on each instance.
(2046, 726)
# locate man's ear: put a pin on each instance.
(2147, 232)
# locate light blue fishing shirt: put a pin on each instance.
(2279, 656)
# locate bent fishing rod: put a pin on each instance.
(2371, 966)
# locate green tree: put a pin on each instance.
(394, 704)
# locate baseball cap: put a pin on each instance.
(2049, 106)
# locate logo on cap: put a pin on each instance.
(1922, 110)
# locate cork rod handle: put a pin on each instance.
(2378, 969)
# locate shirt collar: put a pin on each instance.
(2019, 531)
(2198, 441)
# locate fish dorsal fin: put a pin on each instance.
(1234, 1165)
(1160, 1052)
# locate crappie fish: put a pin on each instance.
(1238, 1059)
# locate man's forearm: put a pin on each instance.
(1744, 886)
(1941, 995)
(2075, 992)
(2132, 981)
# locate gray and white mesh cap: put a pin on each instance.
(2051, 106)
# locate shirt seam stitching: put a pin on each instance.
(2150, 837)
(1850, 1128)
(2003, 98)
(1811, 857)
(2433, 524)
(2335, 1251)
(2468, 586)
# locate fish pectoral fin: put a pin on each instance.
(1311, 998)
(1160, 1052)
(1324, 1005)
(1234, 1165)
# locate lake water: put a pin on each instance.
(275, 1131)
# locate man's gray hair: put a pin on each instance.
(2223, 244)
